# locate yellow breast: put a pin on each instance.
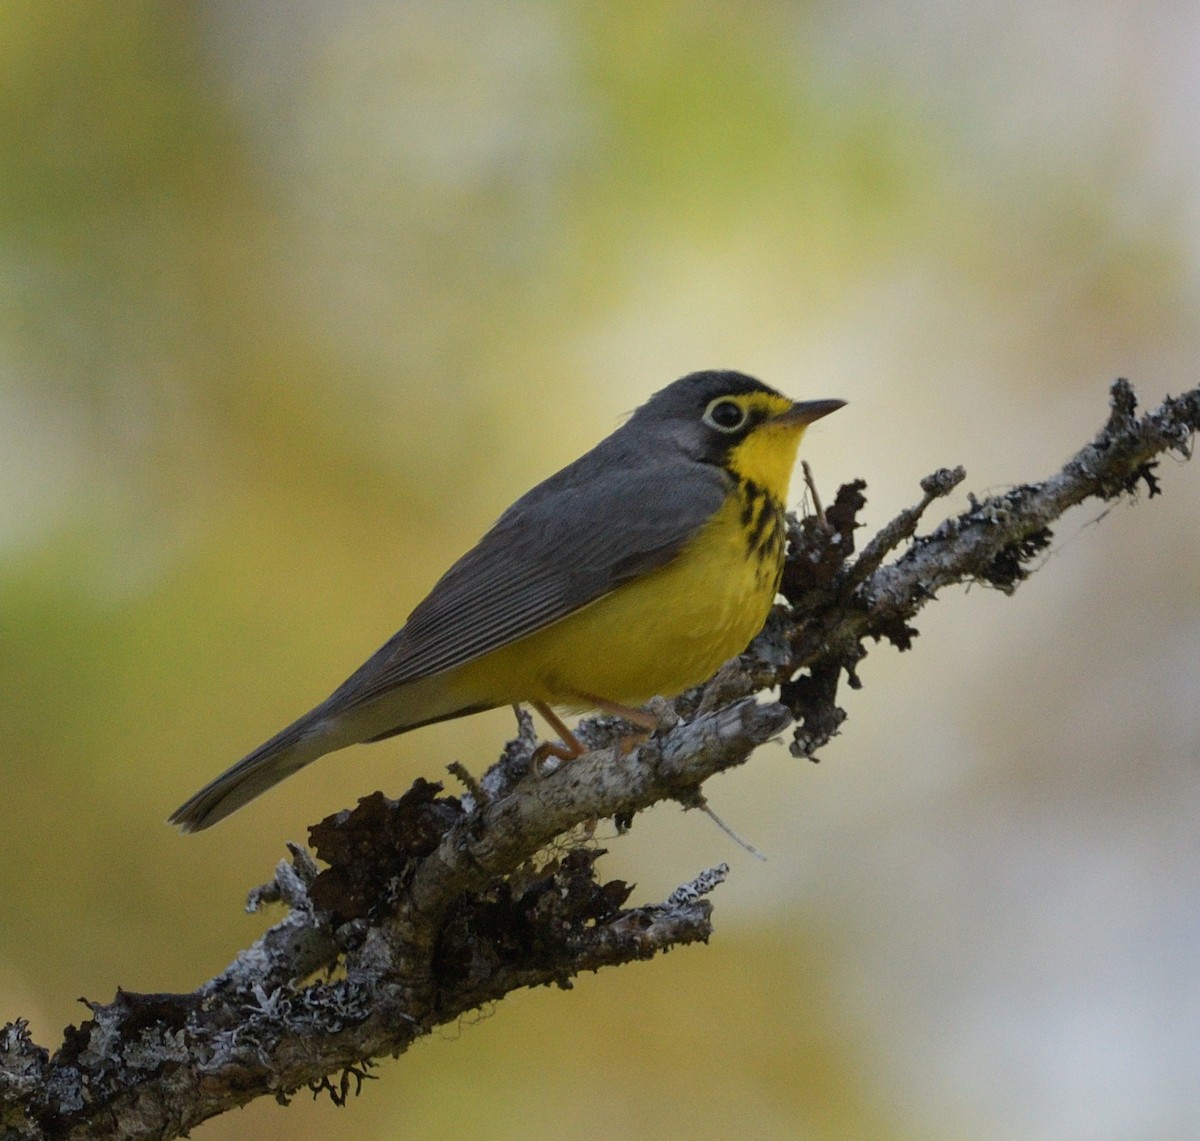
(670, 629)
(658, 634)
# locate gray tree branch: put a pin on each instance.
(431, 905)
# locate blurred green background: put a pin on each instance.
(298, 297)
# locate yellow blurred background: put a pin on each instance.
(297, 298)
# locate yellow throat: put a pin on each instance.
(636, 570)
(674, 627)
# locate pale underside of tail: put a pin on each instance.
(537, 567)
(324, 729)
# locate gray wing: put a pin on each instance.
(566, 543)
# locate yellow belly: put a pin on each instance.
(658, 634)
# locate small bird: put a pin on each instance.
(635, 571)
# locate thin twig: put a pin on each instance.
(401, 923)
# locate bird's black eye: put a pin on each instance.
(725, 415)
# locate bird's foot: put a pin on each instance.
(570, 747)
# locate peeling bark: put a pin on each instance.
(432, 905)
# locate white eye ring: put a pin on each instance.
(725, 415)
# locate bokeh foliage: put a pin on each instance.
(297, 298)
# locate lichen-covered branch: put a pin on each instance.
(430, 905)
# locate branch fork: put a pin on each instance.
(431, 905)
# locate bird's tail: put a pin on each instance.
(288, 751)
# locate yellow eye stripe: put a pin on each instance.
(767, 455)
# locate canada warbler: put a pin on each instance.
(634, 572)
